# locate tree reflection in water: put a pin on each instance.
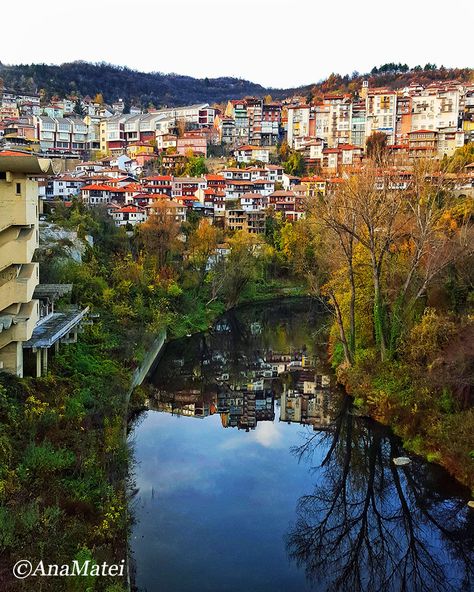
(371, 526)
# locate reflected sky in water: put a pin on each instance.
(222, 509)
(214, 505)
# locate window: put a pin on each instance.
(18, 188)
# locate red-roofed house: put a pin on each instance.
(129, 215)
(96, 195)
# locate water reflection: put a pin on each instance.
(263, 430)
(243, 365)
(369, 525)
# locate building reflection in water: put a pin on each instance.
(247, 393)
(366, 525)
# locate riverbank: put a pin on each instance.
(64, 464)
(419, 407)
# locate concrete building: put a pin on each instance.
(381, 113)
(298, 123)
(19, 311)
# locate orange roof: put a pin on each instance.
(248, 147)
(348, 147)
(312, 180)
(159, 178)
(133, 187)
(159, 196)
(98, 188)
(129, 209)
(13, 153)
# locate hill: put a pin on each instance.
(115, 82)
(141, 88)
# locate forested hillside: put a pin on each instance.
(115, 82)
(158, 89)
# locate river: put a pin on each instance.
(255, 474)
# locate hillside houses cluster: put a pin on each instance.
(237, 198)
(418, 121)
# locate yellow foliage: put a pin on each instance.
(34, 407)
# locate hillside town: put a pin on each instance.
(226, 162)
(236, 320)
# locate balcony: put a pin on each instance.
(17, 284)
(17, 246)
(17, 212)
(19, 326)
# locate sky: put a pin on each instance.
(276, 43)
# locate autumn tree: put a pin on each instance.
(295, 164)
(376, 147)
(195, 166)
(202, 246)
(160, 234)
(411, 229)
(339, 221)
(241, 266)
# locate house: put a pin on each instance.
(168, 208)
(288, 203)
(288, 181)
(250, 202)
(159, 183)
(271, 124)
(195, 143)
(64, 186)
(381, 113)
(187, 186)
(275, 173)
(314, 186)
(165, 141)
(96, 194)
(128, 215)
(249, 153)
(237, 219)
(422, 143)
(217, 182)
(131, 190)
(298, 123)
(139, 148)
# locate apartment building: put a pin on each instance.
(192, 142)
(62, 133)
(271, 124)
(381, 113)
(112, 134)
(239, 219)
(298, 123)
(19, 311)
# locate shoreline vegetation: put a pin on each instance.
(393, 267)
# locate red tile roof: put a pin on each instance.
(97, 188)
(13, 153)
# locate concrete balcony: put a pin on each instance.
(17, 246)
(17, 284)
(18, 212)
(19, 326)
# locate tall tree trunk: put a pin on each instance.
(352, 305)
(342, 333)
(379, 316)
